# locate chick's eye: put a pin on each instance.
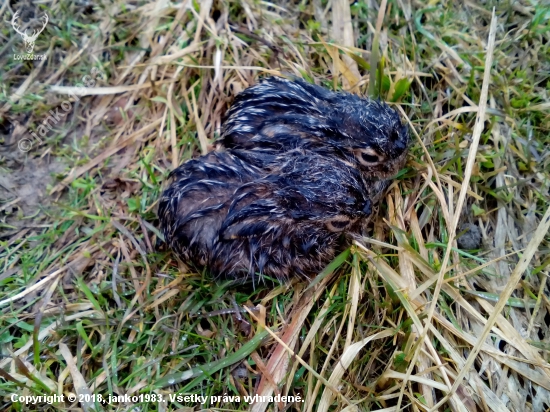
(369, 158)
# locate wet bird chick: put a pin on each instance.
(237, 221)
(300, 172)
(278, 115)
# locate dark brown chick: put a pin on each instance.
(222, 214)
(277, 115)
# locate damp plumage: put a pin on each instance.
(297, 173)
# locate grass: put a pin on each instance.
(92, 304)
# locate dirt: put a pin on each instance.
(24, 179)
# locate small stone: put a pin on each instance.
(470, 236)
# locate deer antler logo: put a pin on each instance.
(29, 40)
